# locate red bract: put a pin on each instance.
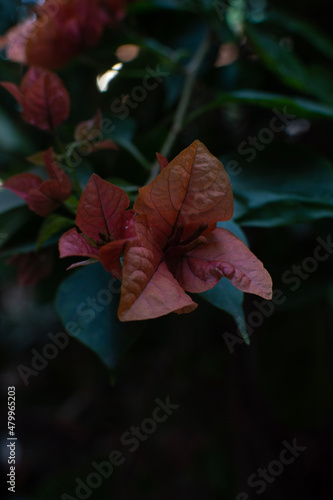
(89, 135)
(105, 223)
(178, 246)
(43, 97)
(61, 30)
(43, 197)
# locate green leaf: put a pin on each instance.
(224, 295)
(305, 29)
(297, 105)
(26, 247)
(9, 200)
(87, 302)
(72, 202)
(11, 138)
(287, 66)
(51, 226)
(283, 185)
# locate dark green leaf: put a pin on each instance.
(87, 302)
(305, 29)
(284, 62)
(51, 226)
(270, 194)
(9, 200)
(301, 107)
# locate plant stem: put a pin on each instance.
(178, 122)
(75, 179)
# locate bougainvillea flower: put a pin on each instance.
(33, 267)
(60, 30)
(89, 135)
(44, 99)
(43, 197)
(178, 248)
(105, 226)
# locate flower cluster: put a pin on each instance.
(170, 239)
(59, 30)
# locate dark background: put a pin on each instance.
(235, 409)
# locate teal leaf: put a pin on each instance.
(87, 303)
(284, 185)
(9, 200)
(300, 106)
(288, 67)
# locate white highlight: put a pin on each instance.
(102, 81)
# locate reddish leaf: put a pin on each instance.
(77, 25)
(60, 30)
(193, 189)
(42, 197)
(162, 161)
(41, 203)
(106, 144)
(178, 247)
(43, 97)
(15, 41)
(126, 229)
(31, 77)
(148, 288)
(109, 254)
(89, 129)
(101, 209)
(73, 243)
(223, 255)
(21, 184)
(64, 185)
(46, 102)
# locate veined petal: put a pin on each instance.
(72, 244)
(64, 186)
(41, 203)
(148, 288)
(21, 184)
(101, 208)
(224, 255)
(193, 189)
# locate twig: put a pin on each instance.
(178, 122)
